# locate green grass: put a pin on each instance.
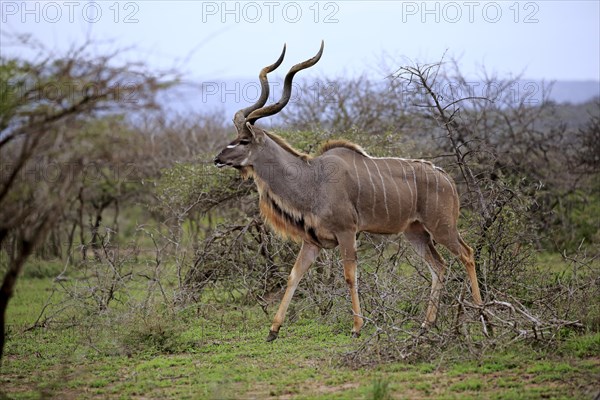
(582, 346)
(217, 350)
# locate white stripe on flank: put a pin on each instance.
(416, 188)
(357, 182)
(372, 185)
(407, 184)
(450, 183)
(396, 186)
(437, 189)
(387, 212)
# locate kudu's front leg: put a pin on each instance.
(347, 244)
(308, 254)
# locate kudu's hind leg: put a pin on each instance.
(465, 254)
(308, 254)
(423, 245)
(453, 242)
(347, 242)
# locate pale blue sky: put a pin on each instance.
(552, 40)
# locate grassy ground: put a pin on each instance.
(217, 350)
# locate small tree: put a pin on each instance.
(44, 104)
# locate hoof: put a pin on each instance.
(272, 336)
(355, 334)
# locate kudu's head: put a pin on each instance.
(250, 139)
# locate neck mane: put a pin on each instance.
(325, 147)
(288, 147)
(337, 143)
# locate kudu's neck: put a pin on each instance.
(285, 175)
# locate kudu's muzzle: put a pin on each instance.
(218, 162)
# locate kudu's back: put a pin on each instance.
(389, 194)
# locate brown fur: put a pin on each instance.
(247, 172)
(279, 223)
(283, 219)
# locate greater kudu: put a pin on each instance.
(324, 200)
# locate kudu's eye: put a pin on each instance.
(244, 142)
